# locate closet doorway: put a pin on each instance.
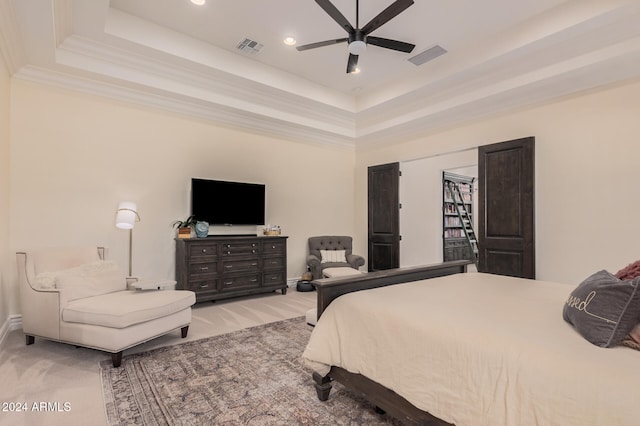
(506, 207)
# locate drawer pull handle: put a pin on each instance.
(228, 266)
(228, 282)
(204, 285)
(254, 280)
(273, 247)
(204, 268)
(204, 250)
(254, 264)
(229, 252)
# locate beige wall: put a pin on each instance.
(587, 151)
(6, 297)
(74, 157)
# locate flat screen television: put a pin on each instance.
(228, 203)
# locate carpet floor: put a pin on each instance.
(253, 376)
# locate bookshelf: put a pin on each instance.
(454, 241)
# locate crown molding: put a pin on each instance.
(204, 85)
(220, 115)
(128, 63)
(11, 47)
(63, 20)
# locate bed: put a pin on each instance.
(435, 345)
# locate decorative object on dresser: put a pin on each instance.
(202, 229)
(272, 230)
(459, 240)
(219, 267)
(184, 226)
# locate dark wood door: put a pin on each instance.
(506, 233)
(384, 217)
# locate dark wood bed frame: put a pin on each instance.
(383, 398)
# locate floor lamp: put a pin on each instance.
(126, 217)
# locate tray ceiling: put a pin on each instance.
(177, 56)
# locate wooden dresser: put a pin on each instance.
(219, 267)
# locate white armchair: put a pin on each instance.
(76, 296)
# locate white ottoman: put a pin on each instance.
(312, 316)
(340, 272)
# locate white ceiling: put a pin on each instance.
(173, 55)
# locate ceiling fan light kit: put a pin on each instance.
(357, 47)
(359, 38)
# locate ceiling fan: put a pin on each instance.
(359, 37)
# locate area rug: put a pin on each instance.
(253, 376)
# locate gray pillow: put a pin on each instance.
(604, 309)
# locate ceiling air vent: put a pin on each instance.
(428, 55)
(249, 46)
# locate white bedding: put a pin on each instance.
(479, 349)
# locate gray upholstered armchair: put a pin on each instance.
(331, 251)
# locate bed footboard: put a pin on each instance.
(385, 400)
(331, 288)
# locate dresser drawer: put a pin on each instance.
(249, 265)
(273, 262)
(243, 281)
(240, 248)
(274, 248)
(200, 250)
(202, 269)
(274, 278)
(202, 287)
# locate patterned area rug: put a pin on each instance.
(253, 376)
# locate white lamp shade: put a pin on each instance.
(126, 215)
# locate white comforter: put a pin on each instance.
(479, 349)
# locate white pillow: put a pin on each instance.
(46, 280)
(333, 256)
(91, 279)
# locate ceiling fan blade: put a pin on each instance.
(321, 44)
(335, 14)
(386, 15)
(391, 44)
(352, 64)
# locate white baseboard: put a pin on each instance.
(14, 322)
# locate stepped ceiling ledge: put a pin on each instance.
(499, 55)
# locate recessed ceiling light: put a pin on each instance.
(199, 2)
(289, 41)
